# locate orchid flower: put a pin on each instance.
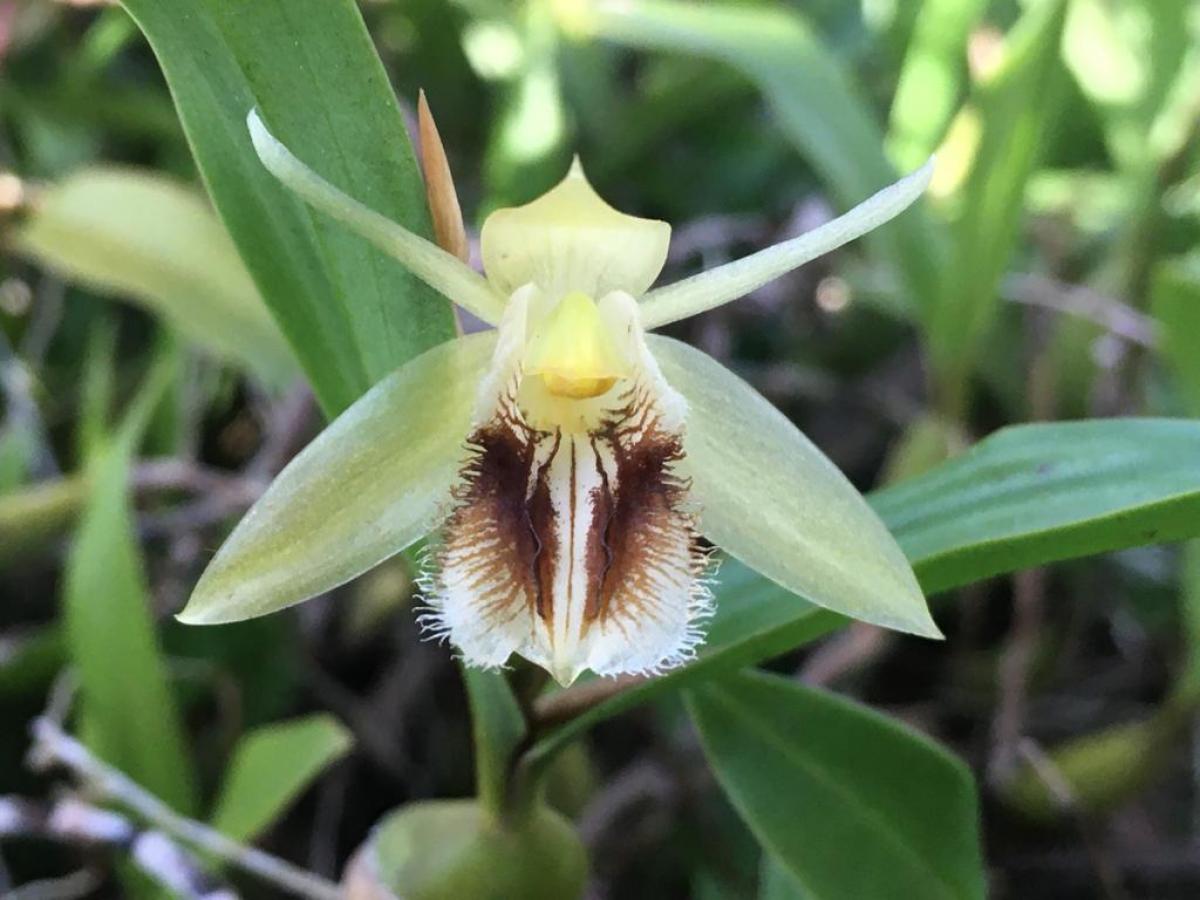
(569, 461)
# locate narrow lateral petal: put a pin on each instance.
(374, 482)
(769, 497)
(736, 279)
(440, 270)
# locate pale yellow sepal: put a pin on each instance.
(770, 498)
(374, 482)
(573, 352)
(569, 239)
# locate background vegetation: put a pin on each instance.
(159, 363)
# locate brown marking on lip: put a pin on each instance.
(505, 535)
(645, 532)
(491, 534)
(541, 520)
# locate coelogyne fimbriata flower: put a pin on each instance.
(569, 461)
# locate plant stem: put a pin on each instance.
(54, 746)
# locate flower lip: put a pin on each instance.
(569, 239)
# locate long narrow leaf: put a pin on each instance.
(271, 767)
(850, 802)
(149, 239)
(931, 80)
(351, 314)
(1016, 107)
(129, 713)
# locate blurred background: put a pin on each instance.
(1051, 274)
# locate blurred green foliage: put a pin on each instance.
(1051, 273)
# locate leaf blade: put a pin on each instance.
(899, 816)
(1074, 488)
(132, 718)
(258, 787)
(350, 315)
(146, 237)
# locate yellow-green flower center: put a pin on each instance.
(572, 352)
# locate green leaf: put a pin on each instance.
(128, 708)
(1032, 494)
(271, 767)
(1016, 107)
(931, 79)
(142, 236)
(350, 313)
(776, 883)
(850, 802)
(374, 482)
(1029, 495)
(815, 103)
(1125, 59)
(1175, 302)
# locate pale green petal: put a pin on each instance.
(442, 271)
(569, 239)
(736, 279)
(770, 498)
(374, 482)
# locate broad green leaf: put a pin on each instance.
(374, 482)
(142, 236)
(1029, 495)
(350, 314)
(768, 496)
(271, 767)
(1035, 493)
(814, 101)
(931, 79)
(1015, 106)
(497, 727)
(128, 708)
(850, 802)
(1175, 302)
(775, 882)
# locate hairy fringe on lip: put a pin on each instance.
(492, 584)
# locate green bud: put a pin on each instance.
(1099, 770)
(453, 850)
